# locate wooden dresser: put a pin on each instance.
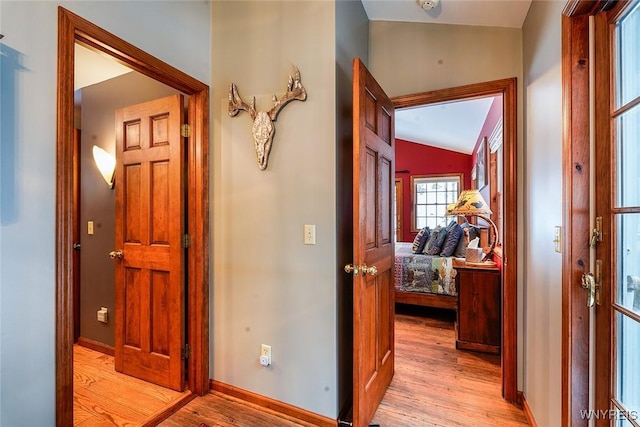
(479, 315)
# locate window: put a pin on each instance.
(431, 196)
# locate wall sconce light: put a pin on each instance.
(472, 203)
(106, 164)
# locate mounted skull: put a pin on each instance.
(263, 128)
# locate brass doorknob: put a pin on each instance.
(371, 271)
(116, 254)
(350, 268)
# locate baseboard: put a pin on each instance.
(96, 345)
(272, 404)
(527, 410)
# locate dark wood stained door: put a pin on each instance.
(150, 297)
(373, 237)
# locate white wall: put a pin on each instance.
(268, 287)
(27, 174)
(543, 210)
(408, 58)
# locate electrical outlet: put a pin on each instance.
(103, 315)
(265, 355)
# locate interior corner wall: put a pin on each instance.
(28, 172)
(408, 58)
(268, 287)
(352, 41)
(97, 201)
(543, 210)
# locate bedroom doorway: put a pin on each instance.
(503, 204)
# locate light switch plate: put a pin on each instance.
(309, 234)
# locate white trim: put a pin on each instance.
(495, 140)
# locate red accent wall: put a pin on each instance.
(420, 159)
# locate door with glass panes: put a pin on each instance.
(617, 210)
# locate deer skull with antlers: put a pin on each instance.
(263, 129)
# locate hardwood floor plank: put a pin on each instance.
(103, 396)
(437, 385)
(217, 409)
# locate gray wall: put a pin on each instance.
(543, 209)
(410, 58)
(268, 287)
(97, 201)
(28, 172)
(352, 41)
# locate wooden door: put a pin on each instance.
(150, 297)
(373, 296)
(617, 265)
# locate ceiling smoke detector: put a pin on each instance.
(428, 4)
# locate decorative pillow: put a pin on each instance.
(420, 240)
(423, 242)
(435, 242)
(451, 241)
(472, 232)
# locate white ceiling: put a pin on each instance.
(453, 126)
(491, 13)
(92, 68)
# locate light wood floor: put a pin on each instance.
(434, 385)
(104, 397)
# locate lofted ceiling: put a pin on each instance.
(439, 125)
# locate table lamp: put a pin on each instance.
(472, 203)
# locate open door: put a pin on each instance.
(373, 244)
(149, 256)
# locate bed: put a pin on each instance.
(427, 280)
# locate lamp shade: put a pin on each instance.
(449, 211)
(471, 202)
(106, 164)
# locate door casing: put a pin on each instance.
(506, 88)
(73, 29)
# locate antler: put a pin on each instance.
(295, 90)
(236, 104)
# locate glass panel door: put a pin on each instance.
(625, 217)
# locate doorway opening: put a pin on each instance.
(504, 205)
(75, 30)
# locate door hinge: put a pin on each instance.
(185, 130)
(185, 351)
(186, 241)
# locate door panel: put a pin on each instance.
(149, 226)
(373, 311)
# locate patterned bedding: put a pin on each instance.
(423, 273)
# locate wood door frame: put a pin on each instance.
(507, 88)
(399, 207)
(73, 29)
(576, 211)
